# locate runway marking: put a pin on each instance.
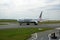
(58, 28)
(34, 36)
(49, 36)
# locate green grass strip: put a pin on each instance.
(19, 33)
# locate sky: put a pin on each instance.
(22, 9)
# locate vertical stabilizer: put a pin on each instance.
(40, 17)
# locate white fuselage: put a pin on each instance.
(28, 20)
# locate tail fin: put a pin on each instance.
(40, 15)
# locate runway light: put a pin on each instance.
(57, 28)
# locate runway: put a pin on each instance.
(17, 25)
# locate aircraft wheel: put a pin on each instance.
(28, 24)
(20, 23)
(35, 24)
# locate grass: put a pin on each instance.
(8, 20)
(3, 24)
(50, 22)
(19, 34)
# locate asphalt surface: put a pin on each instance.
(17, 25)
(45, 35)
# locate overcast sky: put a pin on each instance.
(17, 9)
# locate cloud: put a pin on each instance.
(19, 5)
(27, 4)
(9, 7)
(53, 2)
(52, 7)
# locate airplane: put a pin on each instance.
(28, 21)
